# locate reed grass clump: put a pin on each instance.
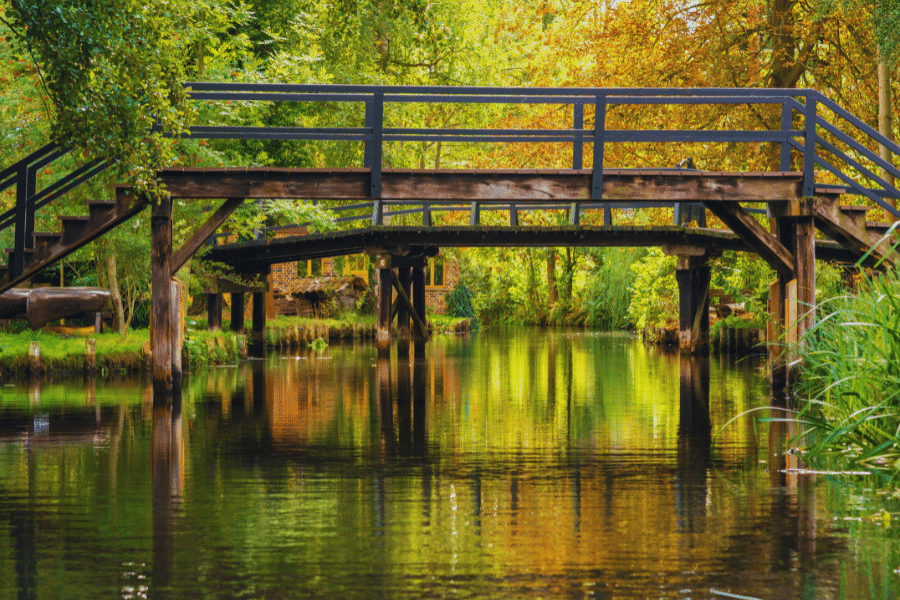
(849, 381)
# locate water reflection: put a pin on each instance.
(167, 469)
(694, 439)
(511, 465)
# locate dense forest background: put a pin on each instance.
(98, 74)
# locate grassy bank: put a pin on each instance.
(70, 353)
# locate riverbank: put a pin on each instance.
(74, 352)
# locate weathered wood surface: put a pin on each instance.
(397, 239)
(161, 292)
(755, 236)
(45, 305)
(200, 236)
(520, 186)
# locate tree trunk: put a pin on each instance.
(114, 294)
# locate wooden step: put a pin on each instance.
(44, 240)
(101, 209)
(830, 191)
(76, 231)
(877, 228)
(856, 214)
(29, 256)
(73, 228)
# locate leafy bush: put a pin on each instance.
(654, 290)
(459, 304)
(609, 288)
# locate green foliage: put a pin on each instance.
(110, 71)
(850, 374)
(654, 290)
(459, 304)
(609, 288)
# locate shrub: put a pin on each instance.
(459, 304)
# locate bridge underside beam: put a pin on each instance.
(304, 247)
(520, 186)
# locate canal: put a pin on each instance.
(515, 463)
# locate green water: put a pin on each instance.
(518, 463)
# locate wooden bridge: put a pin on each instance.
(818, 135)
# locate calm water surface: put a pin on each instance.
(511, 464)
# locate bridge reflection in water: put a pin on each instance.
(546, 507)
(515, 464)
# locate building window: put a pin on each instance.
(310, 268)
(434, 272)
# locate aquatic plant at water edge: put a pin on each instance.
(850, 374)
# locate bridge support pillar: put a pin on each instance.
(214, 312)
(161, 292)
(385, 296)
(418, 300)
(693, 275)
(237, 312)
(258, 337)
(792, 302)
(404, 277)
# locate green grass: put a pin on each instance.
(66, 353)
(849, 381)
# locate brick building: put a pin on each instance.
(441, 276)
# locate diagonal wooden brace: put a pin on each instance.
(754, 235)
(202, 234)
(401, 294)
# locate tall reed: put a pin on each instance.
(849, 382)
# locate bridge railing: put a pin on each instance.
(815, 140)
(840, 147)
(23, 175)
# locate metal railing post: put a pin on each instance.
(374, 154)
(809, 148)
(599, 139)
(24, 214)
(577, 156)
(787, 120)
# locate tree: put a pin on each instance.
(111, 73)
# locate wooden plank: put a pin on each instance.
(469, 185)
(248, 254)
(161, 295)
(202, 234)
(754, 235)
(266, 183)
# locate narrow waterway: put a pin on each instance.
(516, 463)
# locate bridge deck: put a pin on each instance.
(252, 255)
(520, 186)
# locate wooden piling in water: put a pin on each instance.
(418, 300)
(161, 293)
(385, 286)
(214, 312)
(90, 355)
(34, 357)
